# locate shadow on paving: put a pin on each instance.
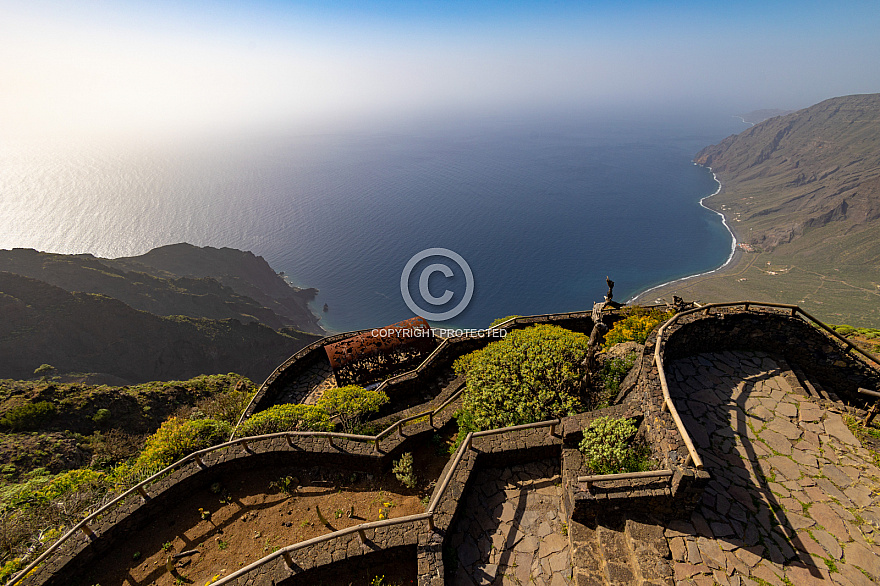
(510, 529)
(759, 435)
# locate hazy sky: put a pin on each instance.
(132, 65)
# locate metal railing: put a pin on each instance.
(141, 487)
(706, 310)
(361, 529)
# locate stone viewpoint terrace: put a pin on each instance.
(745, 406)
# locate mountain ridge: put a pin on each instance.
(801, 193)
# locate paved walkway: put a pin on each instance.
(794, 500)
(513, 531)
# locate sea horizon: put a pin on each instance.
(541, 209)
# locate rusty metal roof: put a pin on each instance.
(413, 333)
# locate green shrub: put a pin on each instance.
(72, 480)
(613, 371)
(28, 416)
(606, 446)
(403, 470)
(9, 568)
(501, 320)
(175, 439)
(637, 326)
(44, 368)
(532, 375)
(227, 406)
(101, 416)
(351, 404)
(844, 330)
(286, 417)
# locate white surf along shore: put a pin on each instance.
(715, 270)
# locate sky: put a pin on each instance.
(172, 66)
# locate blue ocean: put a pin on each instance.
(540, 208)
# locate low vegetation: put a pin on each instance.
(865, 338)
(403, 470)
(501, 320)
(609, 448)
(612, 373)
(37, 504)
(351, 404)
(287, 417)
(636, 326)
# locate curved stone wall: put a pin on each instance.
(775, 332)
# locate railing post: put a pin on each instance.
(199, 461)
(794, 311)
(376, 444)
(746, 305)
(552, 430)
(688, 460)
(143, 493)
(400, 429)
(665, 406)
(289, 440)
(88, 531)
(363, 536)
(431, 522)
(287, 559)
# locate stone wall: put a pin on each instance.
(778, 333)
(400, 387)
(487, 450)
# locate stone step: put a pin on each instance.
(626, 552)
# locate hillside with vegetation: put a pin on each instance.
(91, 333)
(179, 279)
(802, 194)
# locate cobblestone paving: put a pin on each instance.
(513, 531)
(794, 498)
(310, 385)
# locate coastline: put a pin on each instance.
(715, 270)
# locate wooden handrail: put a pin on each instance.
(668, 403)
(624, 476)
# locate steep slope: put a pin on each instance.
(803, 192)
(795, 174)
(82, 332)
(243, 272)
(203, 297)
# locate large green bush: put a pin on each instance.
(287, 417)
(351, 404)
(533, 374)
